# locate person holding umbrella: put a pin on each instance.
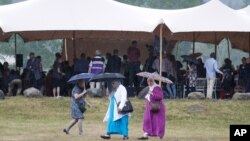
(192, 77)
(78, 102)
(154, 115)
(117, 122)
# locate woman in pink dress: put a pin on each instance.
(154, 122)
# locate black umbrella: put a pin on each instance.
(189, 58)
(107, 77)
(84, 76)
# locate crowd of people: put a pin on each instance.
(55, 82)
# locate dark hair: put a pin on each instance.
(125, 57)
(228, 61)
(212, 55)
(115, 51)
(108, 55)
(58, 55)
(199, 61)
(83, 55)
(32, 53)
(134, 42)
(172, 58)
(39, 57)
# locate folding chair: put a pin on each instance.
(201, 84)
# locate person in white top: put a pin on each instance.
(211, 69)
(117, 122)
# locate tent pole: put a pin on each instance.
(193, 42)
(228, 48)
(215, 44)
(249, 43)
(177, 48)
(161, 26)
(74, 44)
(15, 49)
(65, 49)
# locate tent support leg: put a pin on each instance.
(161, 27)
(228, 49)
(215, 44)
(193, 42)
(249, 44)
(74, 44)
(65, 49)
(177, 48)
(15, 48)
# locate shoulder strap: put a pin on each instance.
(115, 100)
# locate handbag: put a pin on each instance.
(128, 108)
(82, 109)
(155, 106)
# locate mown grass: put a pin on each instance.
(32, 119)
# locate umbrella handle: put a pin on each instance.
(84, 87)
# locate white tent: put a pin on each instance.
(242, 40)
(209, 17)
(210, 22)
(49, 19)
(245, 10)
(51, 16)
(63, 18)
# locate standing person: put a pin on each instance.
(1, 76)
(30, 68)
(77, 106)
(154, 122)
(82, 65)
(117, 123)
(172, 75)
(211, 69)
(133, 63)
(57, 77)
(38, 70)
(192, 77)
(6, 77)
(201, 72)
(96, 66)
(124, 70)
(114, 63)
(243, 74)
(248, 75)
(228, 80)
(165, 65)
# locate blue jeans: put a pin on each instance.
(171, 88)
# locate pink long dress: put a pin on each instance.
(154, 123)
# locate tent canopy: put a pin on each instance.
(214, 16)
(63, 18)
(210, 23)
(53, 19)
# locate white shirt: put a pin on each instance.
(156, 64)
(211, 68)
(120, 96)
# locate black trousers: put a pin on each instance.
(133, 69)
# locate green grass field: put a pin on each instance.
(31, 119)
